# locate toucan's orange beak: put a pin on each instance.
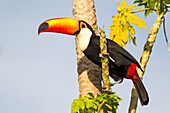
(60, 25)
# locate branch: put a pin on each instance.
(98, 111)
(104, 60)
(144, 10)
(165, 33)
(145, 57)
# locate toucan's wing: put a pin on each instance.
(117, 51)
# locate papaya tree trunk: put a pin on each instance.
(89, 75)
(145, 58)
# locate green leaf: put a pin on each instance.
(103, 102)
(106, 96)
(91, 95)
(99, 98)
(167, 1)
(90, 104)
(74, 107)
(81, 104)
(161, 5)
(106, 108)
(136, 1)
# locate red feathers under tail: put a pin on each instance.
(142, 93)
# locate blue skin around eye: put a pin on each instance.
(83, 26)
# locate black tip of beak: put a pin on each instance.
(43, 26)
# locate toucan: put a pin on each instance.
(121, 63)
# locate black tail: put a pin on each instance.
(142, 93)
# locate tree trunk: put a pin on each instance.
(144, 59)
(89, 74)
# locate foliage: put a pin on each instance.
(93, 104)
(121, 28)
(161, 10)
(160, 5)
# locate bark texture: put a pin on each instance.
(144, 59)
(89, 74)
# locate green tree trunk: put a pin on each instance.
(144, 59)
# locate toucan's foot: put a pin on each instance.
(104, 90)
(104, 54)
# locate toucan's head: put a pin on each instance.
(69, 26)
(64, 25)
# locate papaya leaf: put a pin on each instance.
(99, 98)
(81, 104)
(121, 27)
(103, 102)
(160, 5)
(90, 104)
(74, 107)
(167, 1)
(136, 20)
(91, 95)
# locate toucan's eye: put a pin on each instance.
(83, 26)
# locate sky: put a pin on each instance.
(38, 74)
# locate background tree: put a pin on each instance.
(89, 74)
(121, 26)
(161, 10)
(38, 74)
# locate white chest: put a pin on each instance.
(84, 38)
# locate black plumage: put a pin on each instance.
(122, 58)
(119, 62)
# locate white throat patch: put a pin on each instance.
(84, 38)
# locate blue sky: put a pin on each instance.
(38, 74)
